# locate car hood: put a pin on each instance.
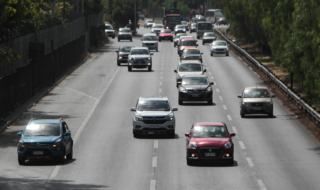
(182, 47)
(150, 42)
(124, 33)
(139, 56)
(165, 34)
(210, 141)
(153, 113)
(262, 100)
(195, 87)
(40, 139)
(190, 73)
(218, 47)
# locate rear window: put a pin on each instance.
(42, 130)
(209, 35)
(256, 93)
(190, 68)
(188, 43)
(181, 34)
(209, 131)
(191, 51)
(150, 38)
(180, 26)
(184, 23)
(153, 105)
(157, 26)
(219, 43)
(204, 26)
(108, 27)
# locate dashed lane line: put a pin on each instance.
(261, 184)
(224, 107)
(234, 129)
(153, 185)
(250, 162)
(242, 145)
(154, 162)
(220, 97)
(160, 83)
(160, 90)
(217, 90)
(229, 117)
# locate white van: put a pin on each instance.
(213, 15)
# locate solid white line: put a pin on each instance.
(154, 162)
(153, 185)
(250, 162)
(160, 83)
(242, 145)
(261, 184)
(84, 123)
(155, 144)
(220, 97)
(80, 92)
(160, 90)
(217, 90)
(234, 129)
(229, 117)
(224, 107)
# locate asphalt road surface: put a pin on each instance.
(270, 153)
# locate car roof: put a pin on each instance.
(124, 28)
(188, 39)
(149, 34)
(190, 61)
(258, 87)
(209, 32)
(153, 98)
(209, 123)
(139, 48)
(219, 41)
(201, 76)
(48, 121)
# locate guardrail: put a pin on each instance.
(274, 78)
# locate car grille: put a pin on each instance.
(194, 91)
(257, 104)
(220, 49)
(37, 144)
(110, 32)
(149, 44)
(139, 61)
(46, 152)
(217, 150)
(154, 120)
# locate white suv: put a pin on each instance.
(153, 115)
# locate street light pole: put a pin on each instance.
(135, 20)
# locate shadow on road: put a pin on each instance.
(157, 136)
(213, 164)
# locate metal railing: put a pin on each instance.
(274, 78)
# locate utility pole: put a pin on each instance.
(135, 20)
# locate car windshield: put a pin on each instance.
(153, 105)
(150, 38)
(256, 93)
(219, 43)
(191, 51)
(190, 68)
(108, 27)
(139, 52)
(173, 18)
(188, 43)
(125, 30)
(125, 49)
(166, 31)
(157, 26)
(42, 130)
(209, 35)
(180, 26)
(209, 131)
(204, 26)
(194, 81)
(184, 23)
(149, 21)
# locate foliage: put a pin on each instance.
(154, 7)
(8, 55)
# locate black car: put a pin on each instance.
(122, 54)
(192, 53)
(195, 88)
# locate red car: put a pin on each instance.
(165, 34)
(210, 141)
(186, 43)
(222, 20)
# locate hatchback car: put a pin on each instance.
(44, 139)
(195, 88)
(179, 29)
(156, 28)
(109, 30)
(153, 115)
(191, 53)
(122, 54)
(209, 141)
(193, 27)
(208, 37)
(148, 23)
(186, 43)
(165, 34)
(256, 100)
(150, 41)
(140, 57)
(177, 38)
(219, 47)
(124, 34)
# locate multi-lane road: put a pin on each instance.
(95, 101)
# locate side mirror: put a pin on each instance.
(197, 45)
(201, 53)
(211, 83)
(67, 133)
(239, 96)
(19, 134)
(196, 40)
(205, 70)
(179, 83)
(232, 134)
(273, 96)
(117, 51)
(174, 109)
(175, 71)
(187, 135)
(151, 53)
(133, 109)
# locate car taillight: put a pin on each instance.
(166, 23)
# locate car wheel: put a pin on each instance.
(157, 49)
(202, 43)
(159, 40)
(129, 68)
(118, 63)
(190, 32)
(171, 134)
(198, 37)
(211, 54)
(130, 39)
(189, 162)
(174, 45)
(270, 114)
(61, 158)
(180, 102)
(136, 134)
(171, 40)
(113, 37)
(242, 114)
(227, 54)
(231, 162)
(70, 155)
(118, 40)
(21, 160)
(149, 68)
(210, 102)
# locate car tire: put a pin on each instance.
(198, 37)
(189, 162)
(180, 102)
(227, 54)
(211, 54)
(157, 49)
(202, 43)
(70, 155)
(21, 160)
(171, 40)
(112, 37)
(159, 40)
(231, 162)
(242, 114)
(210, 102)
(270, 114)
(118, 40)
(129, 68)
(174, 45)
(136, 134)
(130, 39)
(61, 158)
(118, 63)
(149, 68)
(171, 134)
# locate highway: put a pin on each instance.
(95, 101)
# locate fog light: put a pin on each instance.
(227, 155)
(138, 126)
(120, 57)
(170, 126)
(54, 145)
(148, 63)
(193, 155)
(129, 63)
(23, 145)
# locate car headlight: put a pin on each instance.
(180, 75)
(192, 145)
(138, 118)
(57, 142)
(245, 103)
(227, 49)
(209, 89)
(182, 89)
(269, 103)
(227, 145)
(21, 143)
(170, 117)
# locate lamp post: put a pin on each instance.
(135, 20)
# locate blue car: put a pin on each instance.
(45, 138)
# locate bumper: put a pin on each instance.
(140, 127)
(257, 110)
(202, 96)
(215, 52)
(198, 154)
(139, 65)
(125, 37)
(123, 60)
(48, 152)
(150, 46)
(111, 34)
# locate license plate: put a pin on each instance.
(37, 152)
(166, 38)
(154, 126)
(195, 95)
(258, 108)
(212, 154)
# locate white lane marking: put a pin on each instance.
(84, 123)
(250, 162)
(160, 83)
(154, 162)
(212, 77)
(261, 184)
(217, 90)
(242, 145)
(209, 73)
(204, 61)
(229, 117)
(161, 73)
(80, 92)
(161, 68)
(153, 185)
(234, 129)
(220, 97)
(155, 145)
(161, 77)
(224, 107)
(160, 90)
